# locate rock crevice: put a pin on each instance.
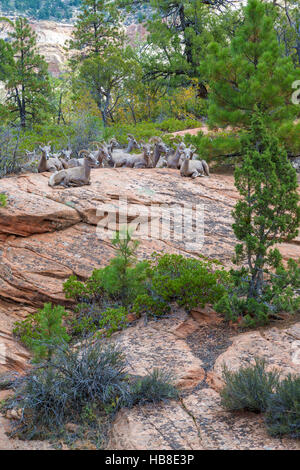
(48, 234)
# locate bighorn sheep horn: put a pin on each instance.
(155, 140)
(84, 152)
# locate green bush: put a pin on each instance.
(174, 125)
(126, 285)
(147, 129)
(187, 281)
(43, 330)
(90, 317)
(77, 134)
(223, 147)
(280, 295)
(283, 412)
(157, 386)
(249, 388)
(113, 319)
(250, 312)
(118, 283)
(81, 384)
(142, 131)
(74, 379)
(3, 200)
(153, 306)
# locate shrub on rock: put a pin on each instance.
(283, 412)
(249, 388)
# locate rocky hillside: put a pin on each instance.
(52, 37)
(48, 234)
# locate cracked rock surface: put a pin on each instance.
(198, 421)
(48, 234)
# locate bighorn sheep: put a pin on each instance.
(132, 144)
(31, 162)
(119, 154)
(65, 156)
(159, 149)
(142, 160)
(113, 146)
(76, 162)
(78, 176)
(117, 159)
(174, 157)
(193, 168)
(104, 156)
(46, 163)
(162, 163)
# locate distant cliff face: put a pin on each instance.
(52, 37)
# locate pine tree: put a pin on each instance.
(179, 33)
(268, 212)
(97, 27)
(6, 59)
(106, 76)
(26, 75)
(251, 72)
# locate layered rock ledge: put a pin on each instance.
(48, 234)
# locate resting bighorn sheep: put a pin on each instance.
(142, 160)
(118, 159)
(159, 149)
(78, 176)
(174, 157)
(132, 144)
(76, 162)
(104, 156)
(113, 144)
(193, 168)
(116, 152)
(46, 163)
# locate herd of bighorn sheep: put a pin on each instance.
(69, 171)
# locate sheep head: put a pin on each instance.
(131, 139)
(89, 158)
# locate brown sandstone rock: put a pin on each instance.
(48, 234)
(206, 315)
(196, 423)
(6, 443)
(4, 394)
(155, 346)
(279, 347)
